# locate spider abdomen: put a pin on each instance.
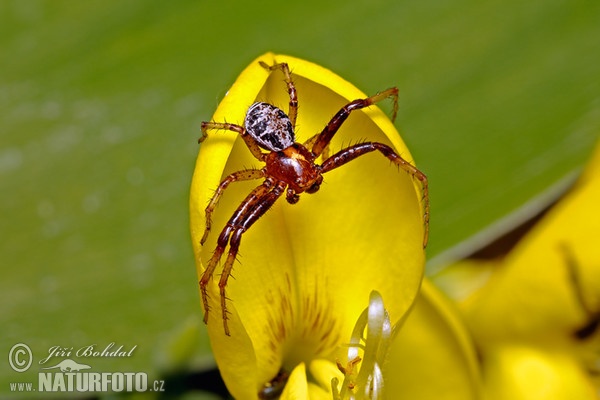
(269, 126)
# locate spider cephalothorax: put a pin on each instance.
(290, 168)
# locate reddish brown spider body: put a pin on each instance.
(290, 168)
(296, 167)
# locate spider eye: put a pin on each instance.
(315, 187)
(269, 126)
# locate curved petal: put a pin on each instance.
(433, 356)
(214, 153)
(534, 313)
(322, 371)
(304, 270)
(297, 386)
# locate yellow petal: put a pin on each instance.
(520, 372)
(297, 386)
(433, 357)
(323, 371)
(305, 270)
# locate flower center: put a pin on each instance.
(303, 328)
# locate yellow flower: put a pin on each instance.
(535, 312)
(306, 270)
(548, 286)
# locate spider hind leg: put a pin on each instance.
(284, 67)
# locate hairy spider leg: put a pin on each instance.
(248, 139)
(350, 153)
(251, 209)
(250, 201)
(238, 176)
(284, 67)
(338, 119)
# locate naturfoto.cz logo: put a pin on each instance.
(69, 375)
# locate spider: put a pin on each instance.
(290, 168)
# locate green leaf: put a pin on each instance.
(101, 106)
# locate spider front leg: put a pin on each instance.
(251, 209)
(350, 153)
(284, 67)
(323, 139)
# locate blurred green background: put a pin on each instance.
(100, 108)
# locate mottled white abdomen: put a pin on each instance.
(270, 126)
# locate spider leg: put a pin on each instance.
(350, 153)
(251, 209)
(234, 177)
(248, 139)
(338, 119)
(249, 202)
(284, 67)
